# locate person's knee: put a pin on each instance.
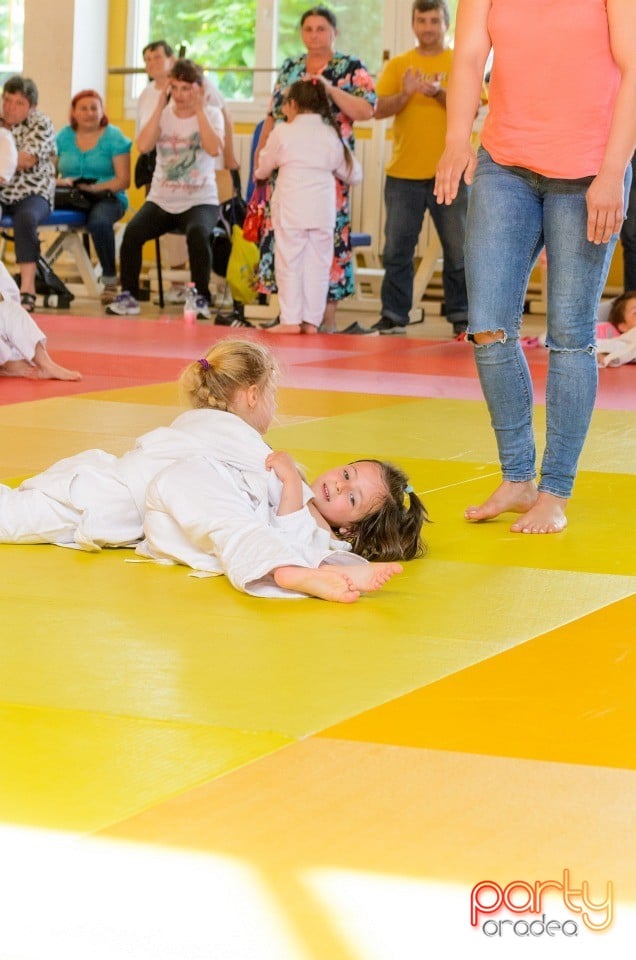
(487, 337)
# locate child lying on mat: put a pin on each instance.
(22, 344)
(617, 336)
(94, 499)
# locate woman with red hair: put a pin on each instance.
(93, 151)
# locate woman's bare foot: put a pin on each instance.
(546, 516)
(19, 368)
(326, 583)
(308, 328)
(509, 497)
(371, 576)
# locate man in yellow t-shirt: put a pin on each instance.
(412, 88)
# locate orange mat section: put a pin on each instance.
(567, 696)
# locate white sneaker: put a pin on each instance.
(203, 308)
(175, 295)
(123, 305)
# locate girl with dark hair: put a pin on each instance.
(308, 154)
(97, 154)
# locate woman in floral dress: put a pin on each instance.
(350, 90)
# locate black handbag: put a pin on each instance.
(144, 168)
(74, 198)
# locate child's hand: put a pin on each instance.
(287, 472)
(282, 464)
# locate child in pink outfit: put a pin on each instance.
(309, 154)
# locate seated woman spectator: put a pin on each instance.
(92, 149)
(188, 135)
(28, 196)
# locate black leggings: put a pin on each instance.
(152, 221)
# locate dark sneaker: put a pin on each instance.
(357, 329)
(460, 327)
(384, 325)
(233, 319)
(202, 307)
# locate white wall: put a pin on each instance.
(65, 50)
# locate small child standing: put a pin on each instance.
(620, 346)
(309, 154)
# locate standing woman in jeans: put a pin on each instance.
(28, 196)
(553, 171)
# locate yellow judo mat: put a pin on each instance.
(189, 773)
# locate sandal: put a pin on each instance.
(28, 301)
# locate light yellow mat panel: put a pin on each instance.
(80, 771)
(603, 504)
(455, 430)
(370, 852)
(214, 655)
(566, 696)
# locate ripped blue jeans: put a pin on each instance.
(512, 214)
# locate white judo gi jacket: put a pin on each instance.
(95, 499)
(219, 516)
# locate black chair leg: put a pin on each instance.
(159, 276)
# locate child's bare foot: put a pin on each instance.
(509, 497)
(49, 370)
(326, 583)
(546, 516)
(371, 576)
(19, 368)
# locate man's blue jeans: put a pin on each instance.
(513, 213)
(406, 203)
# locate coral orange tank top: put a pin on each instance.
(553, 86)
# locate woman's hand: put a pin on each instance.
(454, 163)
(605, 207)
(26, 160)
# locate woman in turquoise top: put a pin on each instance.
(91, 148)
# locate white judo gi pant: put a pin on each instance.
(19, 333)
(79, 501)
(303, 265)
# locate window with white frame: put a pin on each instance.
(251, 36)
(11, 37)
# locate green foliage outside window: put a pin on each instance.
(214, 34)
(360, 29)
(221, 33)
(11, 37)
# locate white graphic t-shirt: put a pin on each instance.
(184, 176)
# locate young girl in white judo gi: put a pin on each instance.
(22, 344)
(272, 535)
(95, 499)
(225, 493)
(309, 154)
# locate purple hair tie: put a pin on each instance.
(204, 363)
